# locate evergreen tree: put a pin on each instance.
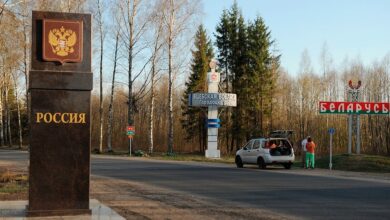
(261, 75)
(249, 67)
(194, 118)
(224, 49)
(238, 62)
(222, 36)
(231, 40)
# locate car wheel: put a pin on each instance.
(261, 163)
(239, 163)
(287, 165)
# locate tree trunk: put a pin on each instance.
(151, 115)
(130, 112)
(110, 108)
(18, 110)
(25, 64)
(153, 81)
(101, 77)
(170, 83)
(7, 105)
(1, 118)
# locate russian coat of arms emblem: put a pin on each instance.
(62, 41)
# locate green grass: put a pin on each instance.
(191, 157)
(354, 162)
(11, 183)
(14, 187)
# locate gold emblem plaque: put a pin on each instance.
(62, 41)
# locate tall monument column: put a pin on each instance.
(212, 100)
(213, 125)
(60, 85)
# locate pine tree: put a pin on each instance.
(194, 118)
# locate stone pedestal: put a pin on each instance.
(60, 100)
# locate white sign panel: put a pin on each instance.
(212, 99)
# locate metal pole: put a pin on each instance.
(130, 146)
(350, 134)
(349, 98)
(358, 134)
(330, 152)
(357, 125)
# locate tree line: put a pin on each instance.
(145, 67)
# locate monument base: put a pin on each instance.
(42, 213)
(213, 153)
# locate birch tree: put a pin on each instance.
(178, 17)
(14, 79)
(101, 32)
(110, 107)
(157, 44)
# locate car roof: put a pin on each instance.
(281, 133)
(269, 138)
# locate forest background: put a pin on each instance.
(160, 52)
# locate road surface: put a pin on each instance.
(295, 193)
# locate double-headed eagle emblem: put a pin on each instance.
(62, 41)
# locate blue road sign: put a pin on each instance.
(213, 120)
(331, 130)
(213, 125)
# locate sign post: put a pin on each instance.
(60, 84)
(130, 134)
(212, 100)
(331, 131)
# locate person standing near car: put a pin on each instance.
(310, 147)
(303, 144)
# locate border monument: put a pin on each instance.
(213, 100)
(60, 85)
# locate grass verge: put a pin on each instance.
(13, 185)
(354, 162)
(192, 157)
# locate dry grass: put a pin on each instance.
(13, 185)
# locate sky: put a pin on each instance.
(353, 29)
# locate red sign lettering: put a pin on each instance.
(354, 107)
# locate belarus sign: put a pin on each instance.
(62, 40)
(354, 107)
(212, 99)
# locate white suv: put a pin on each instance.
(258, 151)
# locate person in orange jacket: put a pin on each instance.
(310, 159)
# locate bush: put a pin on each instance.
(139, 153)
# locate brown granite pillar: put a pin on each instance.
(60, 85)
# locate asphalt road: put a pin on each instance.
(288, 193)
